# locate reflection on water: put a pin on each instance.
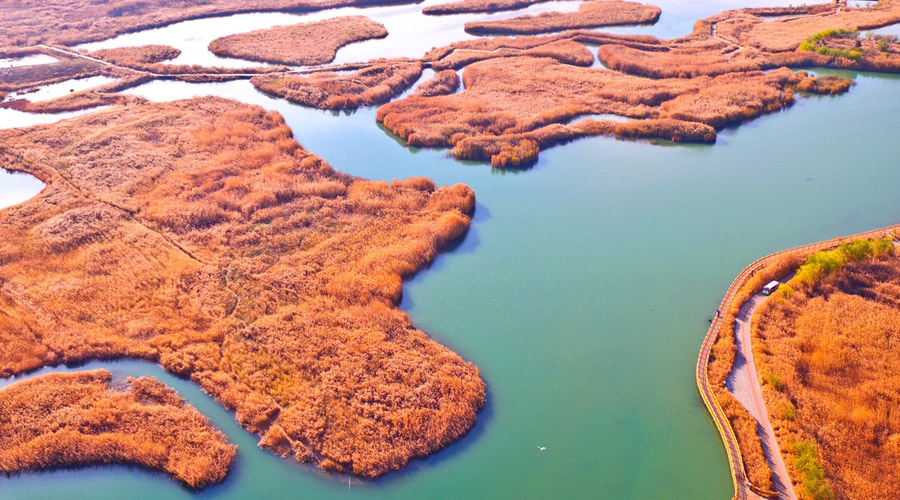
(569, 294)
(410, 33)
(861, 4)
(893, 29)
(16, 187)
(601, 117)
(11, 118)
(27, 61)
(54, 90)
(581, 291)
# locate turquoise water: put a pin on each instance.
(582, 292)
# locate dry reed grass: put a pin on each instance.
(137, 57)
(91, 98)
(70, 22)
(376, 83)
(200, 234)
(299, 44)
(745, 42)
(472, 6)
(787, 34)
(82, 418)
(444, 82)
(564, 51)
(493, 108)
(828, 352)
(25, 77)
(593, 14)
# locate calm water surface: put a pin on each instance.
(17, 187)
(54, 90)
(582, 292)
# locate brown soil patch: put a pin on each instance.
(72, 419)
(199, 234)
(506, 98)
(593, 14)
(70, 22)
(375, 83)
(299, 44)
(834, 347)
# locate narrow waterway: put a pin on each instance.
(582, 292)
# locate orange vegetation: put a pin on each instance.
(685, 58)
(299, 44)
(721, 361)
(69, 67)
(199, 234)
(375, 83)
(25, 77)
(90, 98)
(469, 6)
(137, 57)
(470, 51)
(828, 356)
(493, 110)
(593, 14)
(876, 54)
(150, 58)
(443, 83)
(743, 41)
(81, 418)
(69, 22)
(787, 34)
(744, 426)
(522, 43)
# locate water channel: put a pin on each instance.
(582, 292)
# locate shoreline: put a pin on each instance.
(738, 475)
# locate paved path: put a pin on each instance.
(743, 382)
(745, 357)
(742, 489)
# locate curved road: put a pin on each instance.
(743, 382)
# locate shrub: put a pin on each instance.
(774, 380)
(788, 411)
(811, 471)
(826, 262)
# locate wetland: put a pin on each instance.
(581, 290)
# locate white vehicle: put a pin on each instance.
(771, 287)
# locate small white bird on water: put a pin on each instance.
(542, 448)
